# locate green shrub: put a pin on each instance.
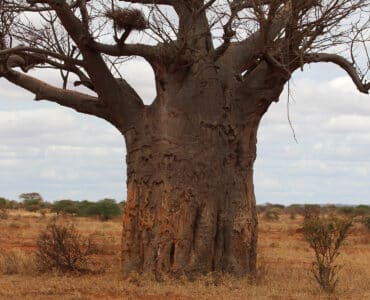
(3, 203)
(346, 210)
(3, 211)
(325, 236)
(362, 210)
(105, 209)
(65, 207)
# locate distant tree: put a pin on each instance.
(346, 210)
(31, 196)
(12, 204)
(3, 207)
(3, 203)
(65, 207)
(32, 201)
(362, 210)
(105, 209)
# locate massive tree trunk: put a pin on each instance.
(191, 205)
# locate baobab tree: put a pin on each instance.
(218, 66)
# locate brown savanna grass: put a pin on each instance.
(284, 266)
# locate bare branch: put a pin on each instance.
(363, 87)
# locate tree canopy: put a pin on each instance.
(86, 40)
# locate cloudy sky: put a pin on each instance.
(61, 154)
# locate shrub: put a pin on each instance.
(3, 202)
(295, 209)
(65, 207)
(366, 222)
(311, 210)
(3, 206)
(346, 210)
(362, 210)
(61, 248)
(325, 236)
(272, 214)
(3, 214)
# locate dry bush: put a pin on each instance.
(311, 211)
(366, 222)
(3, 214)
(272, 214)
(325, 236)
(16, 262)
(61, 248)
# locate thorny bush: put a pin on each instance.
(61, 248)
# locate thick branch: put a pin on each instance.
(80, 102)
(160, 2)
(363, 87)
(146, 51)
(121, 104)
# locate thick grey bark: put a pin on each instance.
(191, 205)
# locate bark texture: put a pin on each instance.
(191, 204)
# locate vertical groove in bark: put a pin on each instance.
(190, 207)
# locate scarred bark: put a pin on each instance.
(191, 205)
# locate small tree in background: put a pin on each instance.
(325, 236)
(69, 207)
(32, 201)
(105, 209)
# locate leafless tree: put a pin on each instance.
(218, 66)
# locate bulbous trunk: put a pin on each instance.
(191, 206)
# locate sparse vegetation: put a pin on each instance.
(284, 260)
(105, 209)
(16, 262)
(325, 236)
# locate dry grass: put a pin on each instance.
(284, 264)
